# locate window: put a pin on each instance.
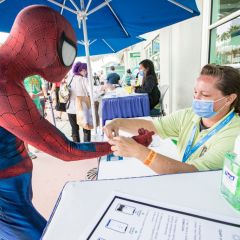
(225, 43)
(223, 8)
(134, 59)
(224, 33)
(156, 45)
(152, 51)
(156, 54)
(148, 51)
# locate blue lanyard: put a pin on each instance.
(190, 150)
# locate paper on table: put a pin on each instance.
(126, 217)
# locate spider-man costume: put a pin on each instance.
(41, 42)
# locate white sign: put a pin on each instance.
(128, 218)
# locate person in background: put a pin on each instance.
(102, 78)
(128, 77)
(79, 87)
(113, 77)
(204, 133)
(149, 82)
(35, 88)
(44, 97)
(96, 79)
(60, 107)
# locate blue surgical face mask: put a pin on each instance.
(141, 73)
(205, 108)
(140, 77)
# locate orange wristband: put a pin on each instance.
(150, 157)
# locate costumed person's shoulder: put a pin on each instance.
(26, 79)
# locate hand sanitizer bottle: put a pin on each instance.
(230, 187)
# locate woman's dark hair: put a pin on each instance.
(228, 81)
(149, 66)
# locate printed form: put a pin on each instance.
(126, 218)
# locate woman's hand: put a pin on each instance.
(128, 147)
(112, 129)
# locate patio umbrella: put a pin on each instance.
(107, 18)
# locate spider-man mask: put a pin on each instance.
(46, 47)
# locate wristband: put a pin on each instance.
(150, 157)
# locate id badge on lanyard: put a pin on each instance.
(191, 149)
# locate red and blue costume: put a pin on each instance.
(41, 42)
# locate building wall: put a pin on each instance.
(180, 59)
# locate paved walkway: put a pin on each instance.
(50, 174)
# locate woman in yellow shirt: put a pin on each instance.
(205, 132)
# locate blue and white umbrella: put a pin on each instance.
(108, 18)
(102, 19)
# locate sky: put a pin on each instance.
(3, 37)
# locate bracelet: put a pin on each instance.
(150, 157)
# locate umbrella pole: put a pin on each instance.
(86, 44)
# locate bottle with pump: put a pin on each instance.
(230, 187)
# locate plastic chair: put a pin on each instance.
(163, 89)
(160, 112)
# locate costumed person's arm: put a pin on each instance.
(19, 115)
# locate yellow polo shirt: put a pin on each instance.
(209, 156)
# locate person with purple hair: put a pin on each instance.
(79, 87)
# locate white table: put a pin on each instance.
(80, 201)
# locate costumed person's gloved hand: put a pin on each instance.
(144, 137)
(102, 148)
